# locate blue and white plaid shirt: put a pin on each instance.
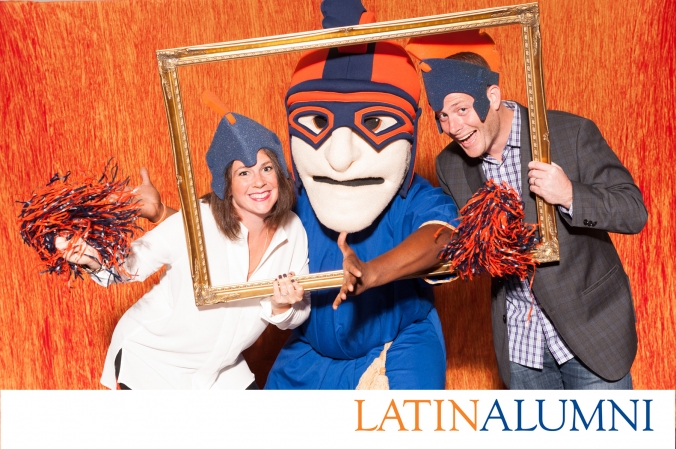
(527, 337)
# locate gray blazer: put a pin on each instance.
(586, 294)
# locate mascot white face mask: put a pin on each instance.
(348, 179)
(352, 118)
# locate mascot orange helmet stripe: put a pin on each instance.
(389, 58)
(355, 97)
(310, 66)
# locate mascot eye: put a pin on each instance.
(379, 123)
(372, 123)
(314, 123)
(320, 122)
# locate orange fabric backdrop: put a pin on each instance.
(79, 84)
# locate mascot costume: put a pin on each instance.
(352, 116)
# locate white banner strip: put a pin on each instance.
(337, 419)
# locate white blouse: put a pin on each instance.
(168, 342)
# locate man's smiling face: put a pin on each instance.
(349, 182)
(460, 121)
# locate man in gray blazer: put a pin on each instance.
(575, 329)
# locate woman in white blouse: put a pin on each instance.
(165, 341)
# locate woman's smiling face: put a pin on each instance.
(254, 189)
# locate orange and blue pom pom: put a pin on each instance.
(492, 236)
(102, 211)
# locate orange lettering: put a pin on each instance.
(456, 407)
(417, 410)
(396, 416)
(359, 416)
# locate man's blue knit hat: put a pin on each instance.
(446, 76)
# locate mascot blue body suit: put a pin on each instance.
(353, 114)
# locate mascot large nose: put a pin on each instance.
(342, 149)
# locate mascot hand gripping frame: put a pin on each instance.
(352, 115)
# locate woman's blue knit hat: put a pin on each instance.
(238, 138)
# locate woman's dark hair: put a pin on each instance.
(224, 211)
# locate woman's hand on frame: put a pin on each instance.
(287, 292)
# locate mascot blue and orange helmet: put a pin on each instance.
(373, 89)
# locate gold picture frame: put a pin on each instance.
(527, 15)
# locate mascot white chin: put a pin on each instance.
(348, 183)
